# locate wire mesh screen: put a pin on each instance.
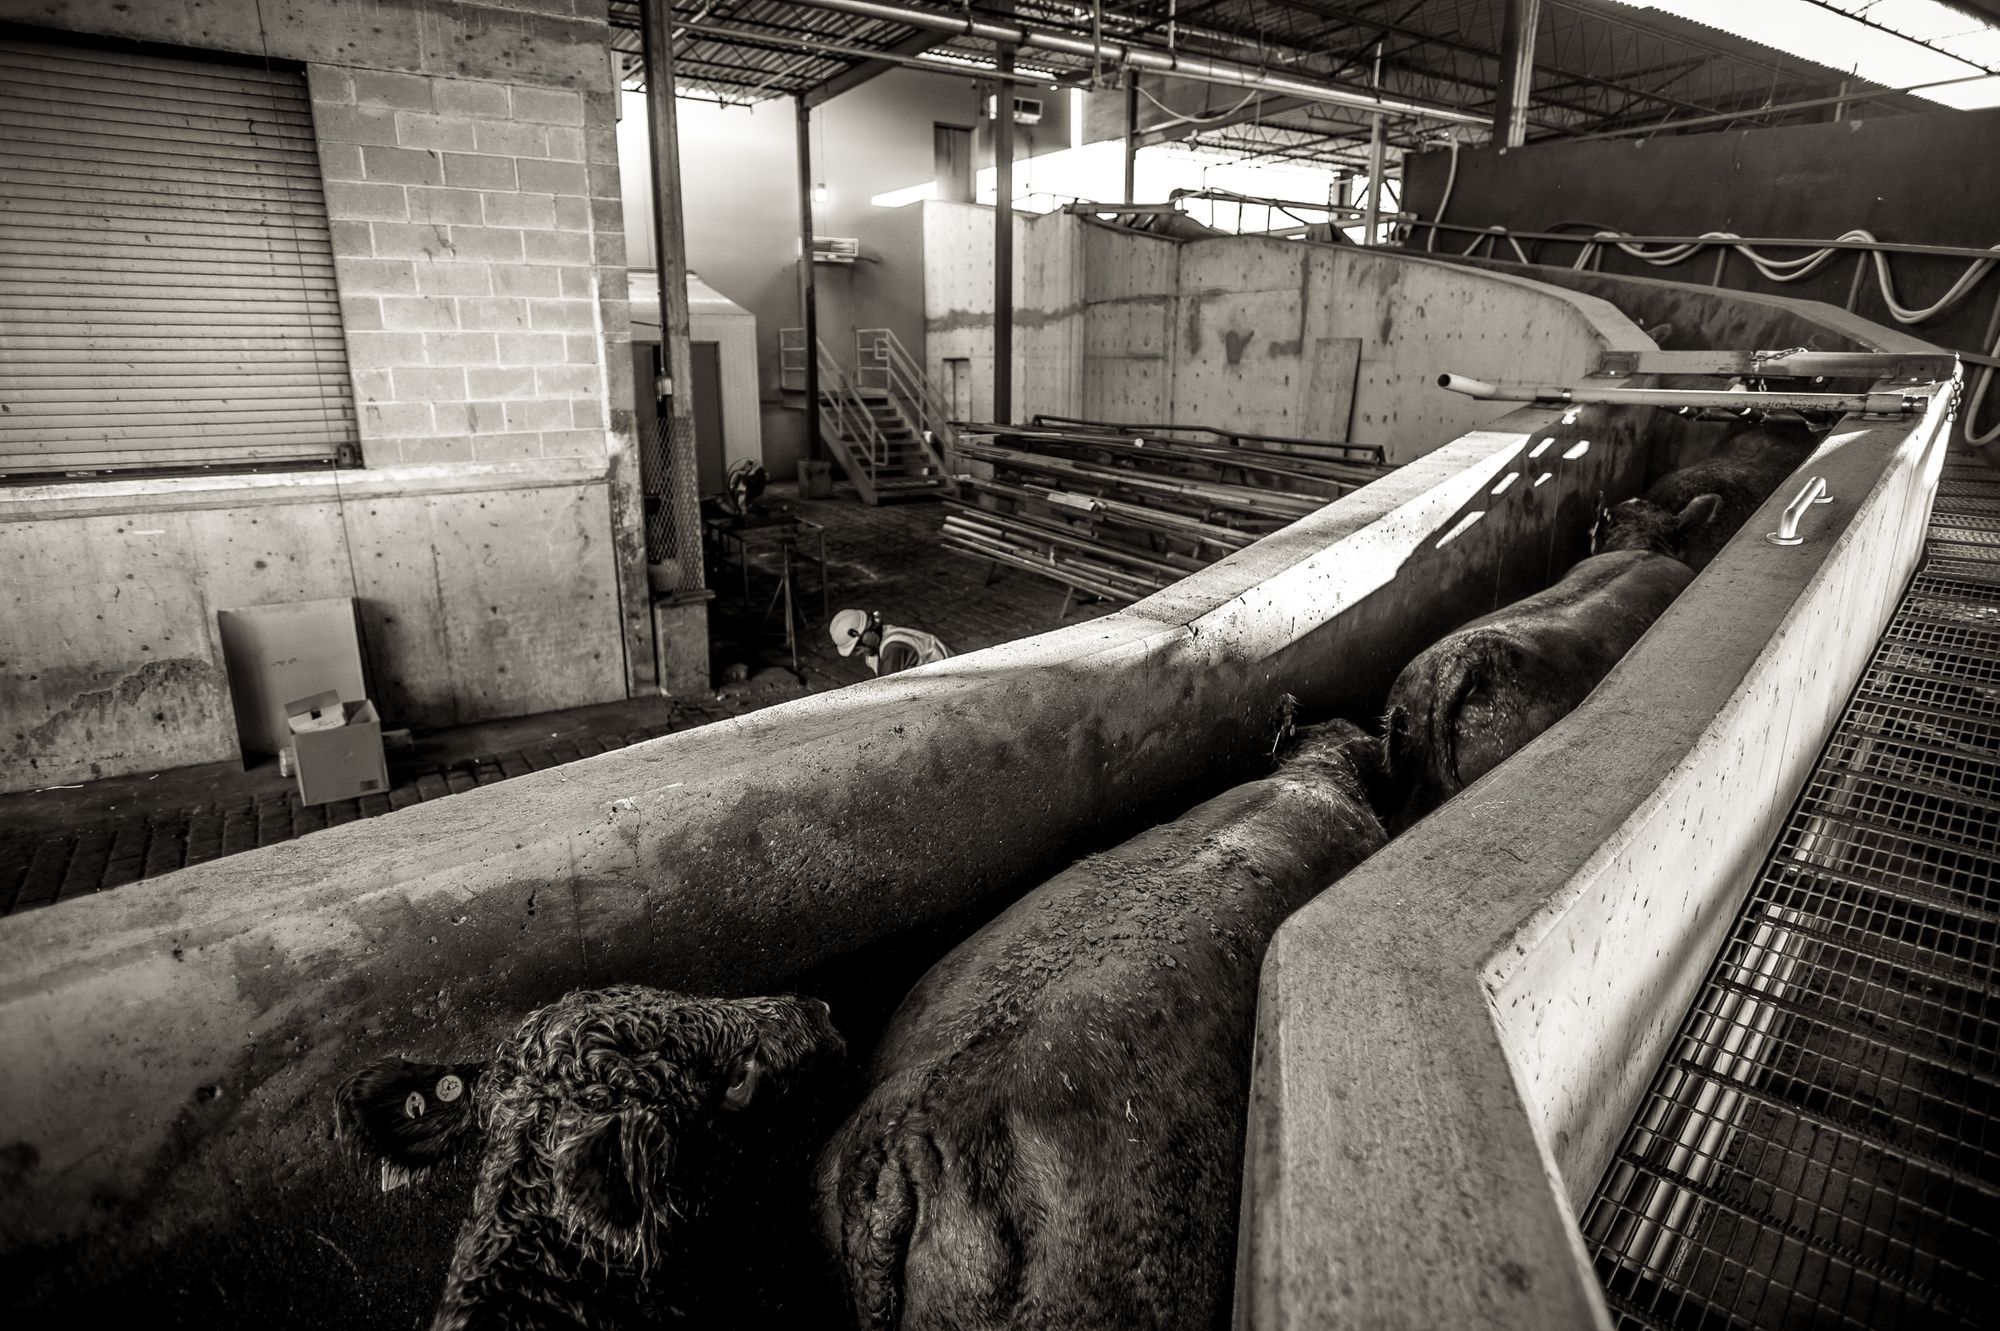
(1822, 1144)
(673, 512)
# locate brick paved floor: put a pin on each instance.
(59, 844)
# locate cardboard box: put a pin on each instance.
(277, 652)
(340, 761)
(322, 711)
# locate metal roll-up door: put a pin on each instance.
(167, 293)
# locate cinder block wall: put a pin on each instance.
(494, 537)
(470, 219)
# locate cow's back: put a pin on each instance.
(1061, 1101)
(1743, 472)
(1478, 695)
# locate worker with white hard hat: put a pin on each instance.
(885, 648)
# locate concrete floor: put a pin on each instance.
(65, 842)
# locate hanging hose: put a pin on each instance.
(1791, 270)
(1980, 383)
(1450, 179)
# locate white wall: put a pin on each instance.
(740, 170)
(1244, 332)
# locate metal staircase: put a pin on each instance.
(875, 421)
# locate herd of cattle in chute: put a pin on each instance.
(1049, 1133)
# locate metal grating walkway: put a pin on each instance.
(1822, 1145)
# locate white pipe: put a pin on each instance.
(1459, 383)
(1788, 526)
(1203, 69)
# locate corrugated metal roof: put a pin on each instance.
(1600, 66)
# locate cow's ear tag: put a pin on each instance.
(413, 1105)
(449, 1088)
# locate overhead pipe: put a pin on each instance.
(1202, 69)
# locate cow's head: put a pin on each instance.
(609, 1123)
(1343, 750)
(1641, 524)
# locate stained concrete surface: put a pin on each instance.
(62, 843)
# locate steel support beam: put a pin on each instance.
(677, 352)
(1375, 164)
(1131, 133)
(1258, 110)
(1517, 72)
(1724, 117)
(808, 290)
(1204, 69)
(856, 75)
(1003, 242)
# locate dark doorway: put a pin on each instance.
(708, 449)
(951, 153)
(958, 387)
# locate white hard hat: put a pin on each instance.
(846, 629)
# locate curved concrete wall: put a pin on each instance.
(171, 1047)
(1246, 332)
(1452, 1037)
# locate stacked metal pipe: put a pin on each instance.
(1119, 511)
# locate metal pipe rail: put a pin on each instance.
(1870, 404)
(1202, 69)
(1350, 452)
(1813, 492)
(1797, 363)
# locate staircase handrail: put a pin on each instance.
(903, 378)
(791, 359)
(852, 419)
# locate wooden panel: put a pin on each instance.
(162, 213)
(1328, 407)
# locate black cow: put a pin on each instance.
(1740, 476)
(1054, 1134)
(631, 1136)
(1478, 695)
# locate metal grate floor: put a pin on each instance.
(1822, 1145)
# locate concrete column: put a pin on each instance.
(677, 420)
(1003, 240)
(808, 289)
(1517, 73)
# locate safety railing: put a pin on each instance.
(792, 360)
(882, 363)
(843, 408)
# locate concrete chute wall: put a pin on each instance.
(171, 1049)
(1453, 1036)
(1248, 332)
